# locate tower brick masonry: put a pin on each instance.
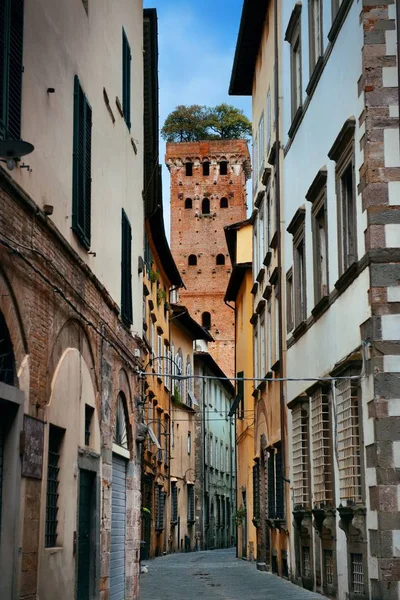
(208, 192)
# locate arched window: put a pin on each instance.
(206, 320)
(223, 167)
(223, 203)
(7, 360)
(192, 260)
(206, 168)
(205, 206)
(188, 203)
(121, 420)
(220, 259)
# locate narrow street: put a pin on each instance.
(214, 575)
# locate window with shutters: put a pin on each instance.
(256, 489)
(126, 271)
(126, 79)
(82, 174)
(240, 393)
(322, 448)
(300, 437)
(174, 503)
(279, 483)
(271, 484)
(11, 32)
(160, 508)
(190, 506)
(348, 435)
(56, 436)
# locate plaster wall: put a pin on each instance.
(71, 389)
(90, 46)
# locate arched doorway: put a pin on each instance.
(120, 460)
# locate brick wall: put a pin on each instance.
(203, 235)
(52, 301)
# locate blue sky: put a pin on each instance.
(196, 48)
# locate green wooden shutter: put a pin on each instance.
(126, 79)
(11, 40)
(82, 173)
(126, 270)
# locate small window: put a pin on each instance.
(192, 260)
(223, 167)
(205, 206)
(206, 168)
(89, 410)
(189, 169)
(56, 436)
(189, 443)
(188, 203)
(223, 203)
(206, 320)
(220, 259)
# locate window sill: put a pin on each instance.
(296, 121)
(272, 154)
(274, 241)
(347, 277)
(339, 20)
(254, 289)
(267, 292)
(315, 76)
(276, 366)
(321, 306)
(260, 275)
(267, 259)
(300, 329)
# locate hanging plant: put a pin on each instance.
(240, 515)
(161, 296)
(154, 276)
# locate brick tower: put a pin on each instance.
(208, 191)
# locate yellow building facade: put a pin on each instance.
(239, 240)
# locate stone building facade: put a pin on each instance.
(208, 192)
(339, 183)
(70, 300)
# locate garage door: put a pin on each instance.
(118, 526)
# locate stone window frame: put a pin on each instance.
(318, 196)
(297, 229)
(343, 154)
(293, 37)
(315, 53)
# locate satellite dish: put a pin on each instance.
(10, 150)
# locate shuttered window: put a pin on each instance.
(126, 271)
(126, 79)
(11, 38)
(174, 503)
(160, 508)
(190, 508)
(82, 175)
(256, 489)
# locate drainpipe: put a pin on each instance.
(280, 274)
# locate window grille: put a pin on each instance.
(190, 509)
(53, 469)
(120, 429)
(271, 485)
(301, 489)
(329, 566)
(279, 483)
(89, 410)
(256, 490)
(322, 448)
(357, 574)
(348, 439)
(160, 508)
(306, 562)
(174, 503)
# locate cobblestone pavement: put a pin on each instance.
(214, 575)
